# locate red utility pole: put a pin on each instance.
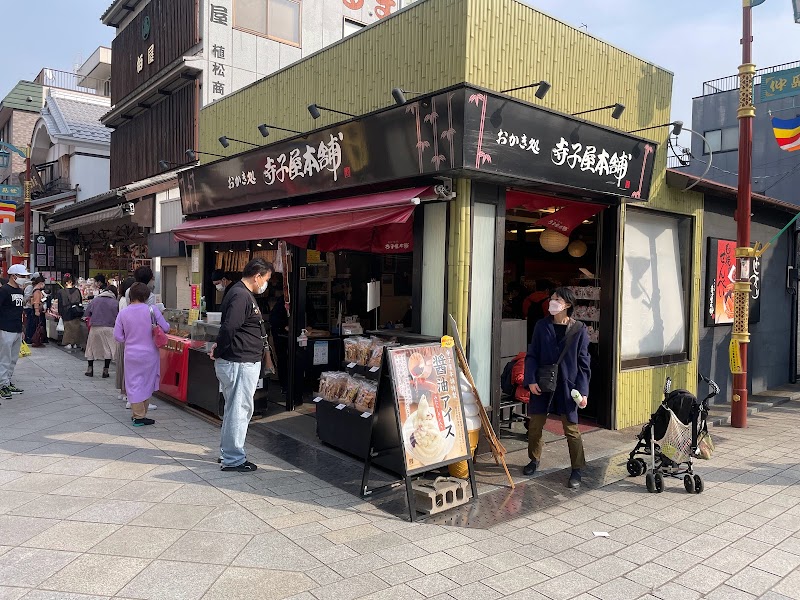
(744, 254)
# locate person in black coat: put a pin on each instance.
(550, 336)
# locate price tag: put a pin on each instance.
(366, 415)
(341, 406)
(374, 369)
(351, 365)
(317, 399)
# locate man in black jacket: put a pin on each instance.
(11, 301)
(238, 354)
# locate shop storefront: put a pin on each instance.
(382, 197)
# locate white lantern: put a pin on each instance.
(552, 241)
(577, 248)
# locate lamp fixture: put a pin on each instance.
(264, 129)
(225, 141)
(192, 154)
(616, 113)
(166, 164)
(260, 243)
(399, 95)
(677, 127)
(543, 87)
(314, 109)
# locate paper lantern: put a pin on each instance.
(552, 241)
(577, 248)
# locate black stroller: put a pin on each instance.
(671, 443)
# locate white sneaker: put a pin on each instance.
(127, 404)
(151, 407)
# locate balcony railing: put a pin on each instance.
(74, 82)
(48, 179)
(731, 82)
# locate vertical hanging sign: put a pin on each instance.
(218, 48)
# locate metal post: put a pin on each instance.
(27, 198)
(744, 254)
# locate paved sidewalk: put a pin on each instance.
(92, 508)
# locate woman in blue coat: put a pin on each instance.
(550, 337)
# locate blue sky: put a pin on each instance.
(697, 40)
(49, 33)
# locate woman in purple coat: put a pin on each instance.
(559, 333)
(134, 328)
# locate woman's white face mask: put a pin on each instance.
(556, 306)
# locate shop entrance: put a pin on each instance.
(539, 258)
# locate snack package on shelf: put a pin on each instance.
(376, 352)
(364, 349)
(365, 401)
(351, 389)
(351, 350)
(332, 385)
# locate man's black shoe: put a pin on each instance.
(574, 479)
(530, 468)
(245, 467)
(142, 422)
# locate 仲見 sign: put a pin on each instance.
(781, 84)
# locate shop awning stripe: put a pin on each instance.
(344, 214)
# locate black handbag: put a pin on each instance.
(547, 375)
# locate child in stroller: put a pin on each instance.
(669, 439)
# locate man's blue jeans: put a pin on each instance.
(239, 382)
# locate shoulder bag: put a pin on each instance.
(159, 337)
(547, 375)
(267, 358)
(75, 309)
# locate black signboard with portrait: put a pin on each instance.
(462, 131)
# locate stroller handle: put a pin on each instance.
(713, 387)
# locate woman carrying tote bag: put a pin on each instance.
(557, 363)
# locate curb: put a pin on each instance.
(753, 407)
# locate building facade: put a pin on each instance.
(648, 252)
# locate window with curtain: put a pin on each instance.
(276, 19)
(656, 286)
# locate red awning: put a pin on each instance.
(335, 217)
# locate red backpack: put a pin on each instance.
(521, 393)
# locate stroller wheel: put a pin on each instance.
(642, 466)
(650, 482)
(633, 467)
(688, 483)
(698, 484)
(659, 483)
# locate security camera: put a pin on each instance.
(128, 208)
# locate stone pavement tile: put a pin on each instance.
(552, 566)
(468, 573)
(401, 573)
(554, 543)
(606, 568)
(551, 526)
(703, 578)
(40, 483)
(652, 575)
(197, 493)
(12, 593)
(146, 491)
(232, 518)
(790, 544)
(725, 592)
(294, 519)
(173, 580)
(774, 596)
(753, 547)
(75, 466)
(299, 532)
(754, 581)
(348, 568)
(787, 522)
(52, 506)
(619, 589)
(72, 536)
(468, 554)
(566, 586)
(17, 530)
(119, 512)
(207, 547)
(729, 560)
(239, 583)
(532, 552)
(443, 542)
(505, 561)
(401, 592)
(349, 589)
(767, 510)
(95, 574)
(349, 534)
(345, 521)
(28, 567)
(90, 487)
(616, 519)
(174, 473)
(473, 591)
(515, 580)
(749, 520)
(729, 531)
(574, 558)
(777, 562)
(8, 476)
(639, 553)
(434, 563)
(532, 594)
(675, 591)
(374, 543)
(324, 575)
(703, 546)
(600, 546)
(176, 516)
(138, 542)
(275, 551)
(431, 585)
(402, 553)
(789, 586)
